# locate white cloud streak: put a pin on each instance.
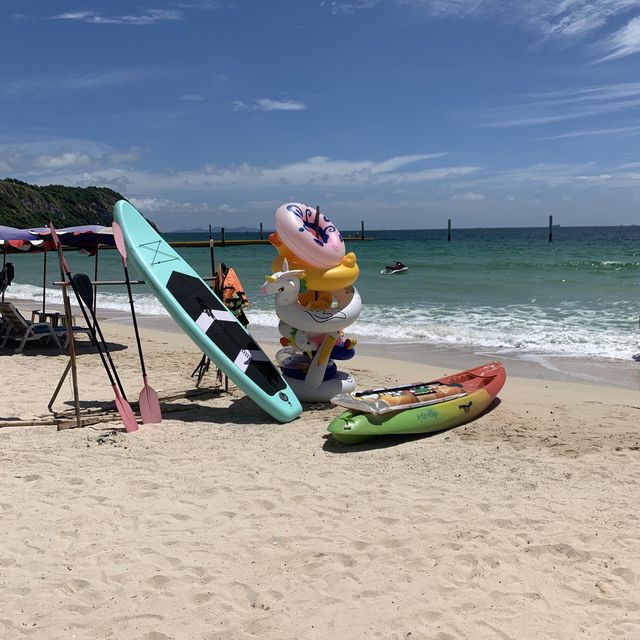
(102, 166)
(267, 104)
(149, 17)
(561, 20)
(75, 82)
(567, 104)
(469, 195)
(594, 132)
(63, 160)
(624, 42)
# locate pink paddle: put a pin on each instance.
(149, 403)
(124, 408)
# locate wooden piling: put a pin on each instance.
(550, 228)
(222, 235)
(361, 229)
(449, 230)
(261, 238)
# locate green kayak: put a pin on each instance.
(422, 407)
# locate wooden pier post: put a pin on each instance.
(550, 228)
(222, 236)
(261, 231)
(361, 229)
(449, 230)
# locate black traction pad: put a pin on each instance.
(224, 331)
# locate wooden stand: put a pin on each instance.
(71, 365)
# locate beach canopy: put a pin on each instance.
(86, 238)
(12, 239)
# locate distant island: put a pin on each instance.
(26, 206)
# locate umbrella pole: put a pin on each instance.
(4, 262)
(95, 286)
(44, 283)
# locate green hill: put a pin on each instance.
(24, 205)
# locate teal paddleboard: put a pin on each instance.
(203, 316)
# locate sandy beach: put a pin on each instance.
(220, 523)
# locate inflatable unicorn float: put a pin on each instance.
(315, 300)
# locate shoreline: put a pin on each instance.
(447, 358)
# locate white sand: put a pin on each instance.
(220, 523)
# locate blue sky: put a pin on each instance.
(400, 112)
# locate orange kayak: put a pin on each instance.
(422, 407)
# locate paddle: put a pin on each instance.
(123, 407)
(148, 398)
(84, 293)
(84, 287)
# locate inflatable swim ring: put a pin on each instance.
(342, 382)
(295, 365)
(337, 277)
(309, 236)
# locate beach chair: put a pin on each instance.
(62, 331)
(16, 327)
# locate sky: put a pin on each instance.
(401, 113)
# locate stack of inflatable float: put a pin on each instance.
(315, 301)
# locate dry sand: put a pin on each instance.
(221, 524)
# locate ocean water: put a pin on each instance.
(508, 290)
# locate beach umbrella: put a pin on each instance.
(13, 240)
(85, 238)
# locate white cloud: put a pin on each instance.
(569, 177)
(563, 20)
(63, 160)
(174, 207)
(566, 104)
(548, 18)
(151, 16)
(624, 42)
(266, 104)
(123, 157)
(594, 132)
(75, 82)
(469, 195)
(316, 172)
(240, 105)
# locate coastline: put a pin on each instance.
(220, 523)
(446, 358)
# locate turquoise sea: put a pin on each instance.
(508, 290)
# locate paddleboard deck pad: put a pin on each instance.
(204, 317)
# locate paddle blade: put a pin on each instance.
(119, 240)
(83, 286)
(126, 412)
(149, 405)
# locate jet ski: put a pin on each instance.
(396, 267)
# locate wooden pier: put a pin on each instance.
(223, 242)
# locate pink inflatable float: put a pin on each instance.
(310, 235)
